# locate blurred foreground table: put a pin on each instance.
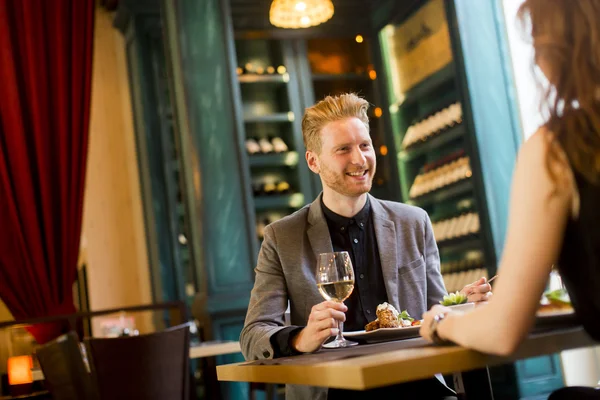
(382, 364)
(214, 348)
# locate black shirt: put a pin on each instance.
(355, 235)
(579, 262)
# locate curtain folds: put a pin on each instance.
(45, 82)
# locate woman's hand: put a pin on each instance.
(425, 330)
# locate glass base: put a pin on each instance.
(338, 344)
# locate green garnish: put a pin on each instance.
(453, 299)
(558, 296)
(404, 315)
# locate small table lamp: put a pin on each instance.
(19, 370)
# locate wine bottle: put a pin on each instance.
(252, 147)
(265, 145)
(279, 145)
(282, 187)
(269, 188)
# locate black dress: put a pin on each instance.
(579, 262)
(579, 267)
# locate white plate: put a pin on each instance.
(554, 313)
(383, 334)
(463, 307)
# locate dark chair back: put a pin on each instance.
(146, 367)
(65, 373)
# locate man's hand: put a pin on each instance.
(322, 324)
(477, 291)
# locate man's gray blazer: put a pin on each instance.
(287, 264)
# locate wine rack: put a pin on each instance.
(436, 156)
(280, 182)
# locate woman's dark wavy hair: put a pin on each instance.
(566, 36)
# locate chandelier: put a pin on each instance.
(294, 14)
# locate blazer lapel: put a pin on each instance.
(385, 232)
(318, 232)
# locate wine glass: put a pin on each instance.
(335, 280)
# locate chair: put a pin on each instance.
(65, 373)
(146, 367)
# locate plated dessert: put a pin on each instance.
(453, 299)
(555, 301)
(389, 317)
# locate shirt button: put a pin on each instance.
(368, 311)
(343, 228)
(361, 224)
(362, 276)
(355, 240)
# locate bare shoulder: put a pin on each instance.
(543, 162)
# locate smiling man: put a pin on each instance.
(391, 245)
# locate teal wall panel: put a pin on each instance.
(490, 105)
(207, 84)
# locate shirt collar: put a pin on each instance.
(340, 222)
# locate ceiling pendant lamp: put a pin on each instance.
(294, 14)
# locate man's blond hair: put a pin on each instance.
(331, 109)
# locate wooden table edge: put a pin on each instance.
(367, 372)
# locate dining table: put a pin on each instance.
(375, 365)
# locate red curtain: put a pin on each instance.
(45, 82)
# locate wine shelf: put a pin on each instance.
(429, 85)
(295, 200)
(287, 159)
(253, 78)
(468, 242)
(340, 77)
(433, 144)
(461, 188)
(278, 117)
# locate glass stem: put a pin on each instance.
(339, 336)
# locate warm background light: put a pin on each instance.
(359, 39)
(294, 14)
(372, 74)
(383, 150)
(378, 112)
(19, 370)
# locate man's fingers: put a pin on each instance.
(326, 324)
(330, 304)
(327, 314)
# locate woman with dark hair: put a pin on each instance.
(555, 202)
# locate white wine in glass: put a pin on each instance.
(335, 280)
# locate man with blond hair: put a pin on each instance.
(391, 245)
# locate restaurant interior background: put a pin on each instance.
(195, 144)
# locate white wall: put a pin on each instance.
(581, 367)
(522, 61)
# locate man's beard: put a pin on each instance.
(341, 183)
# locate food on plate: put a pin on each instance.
(556, 300)
(453, 299)
(371, 326)
(389, 317)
